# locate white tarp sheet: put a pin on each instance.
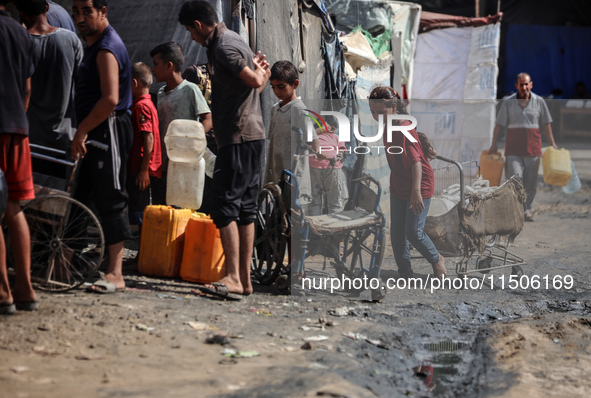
(454, 88)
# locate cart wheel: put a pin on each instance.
(269, 244)
(516, 270)
(482, 265)
(67, 242)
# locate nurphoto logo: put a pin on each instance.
(315, 120)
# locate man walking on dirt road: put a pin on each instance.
(523, 113)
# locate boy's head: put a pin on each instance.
(168, 59)
(284, 80)
(199, 18)
(141, 79)
(31, 8)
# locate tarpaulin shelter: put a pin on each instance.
(454, 87)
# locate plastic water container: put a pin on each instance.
(162, 241)
(574, 184)
(491, 167)
(185, 145)
(203, 257)
(185, 141)
(184, 186)
(209, 157)
(439, 206)
(557, 166)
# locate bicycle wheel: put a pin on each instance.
(67, 242)
(269, 244)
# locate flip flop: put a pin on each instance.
(104, 287)
(220, 290)
(7, 309)
(26, 305)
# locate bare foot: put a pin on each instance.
(232, 285)
(246, 285)
(24, 295)
(439, 267)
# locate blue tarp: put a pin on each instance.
(554, 56)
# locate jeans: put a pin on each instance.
(406, 227)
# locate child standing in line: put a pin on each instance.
(326, 173)
(178, 99)
(144, 164)
(282, 141)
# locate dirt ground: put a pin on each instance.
(153, 339)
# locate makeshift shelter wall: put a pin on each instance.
(278, 36)
(455, 89)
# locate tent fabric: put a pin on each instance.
(379, 44)
(554, 57)
(358, 50)
(454, 88)
(397, 17)
(333, 52)
(432, 20)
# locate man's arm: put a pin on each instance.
(108, 68)
(547, 129)
(27, 98)
(143, 178)
(206, 121)
(259, 77)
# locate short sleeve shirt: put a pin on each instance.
(401, 164)
(236, 108)
(185, 101)
(52, 119)
(144, 118)
(523, 125)
(283, 145)
(15, 67)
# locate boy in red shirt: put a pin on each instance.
(145, 158)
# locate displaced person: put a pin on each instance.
(329, 185)
(411, 187)
(178, 99)
(237, 77)
(58, 16)
(15, 161)
(144, 165)
(523, 113)
(283, 141)
(102, 106)
(57, 55)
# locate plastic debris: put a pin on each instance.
(20, 369)
(229, 352)
(142, 327)
(316, 338)
(201, 326)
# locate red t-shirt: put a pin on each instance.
(400, 165)
(144, 117)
